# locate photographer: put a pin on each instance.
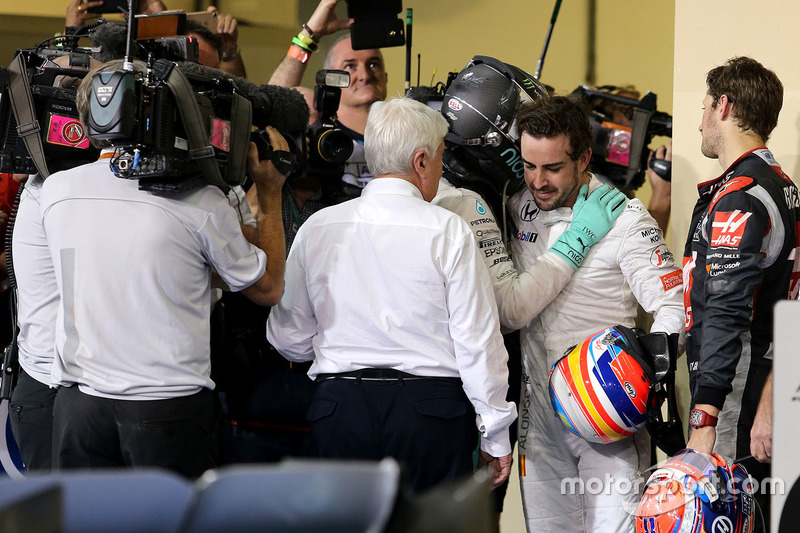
(367, 80)
(134, 271)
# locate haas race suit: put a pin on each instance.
(739, 260)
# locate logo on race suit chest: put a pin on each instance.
(727, 228)
(529, 211)
(480, 208)
(527, 236)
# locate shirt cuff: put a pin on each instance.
(709, 395)
(499, 446)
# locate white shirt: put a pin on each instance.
(389, 281)
(134, 272)
(238, 200)
(36, 286)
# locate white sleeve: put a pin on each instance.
(291, 325)
(239, 263)
(236, 197)
(520, 296)
(650, 270)
(481, 357)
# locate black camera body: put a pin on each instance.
(62, 136)
(329, 146)
(619, 152)
(375, 23)
(171, 131)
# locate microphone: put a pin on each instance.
(112, 39)
(284, 109)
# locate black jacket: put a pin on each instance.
(738, 262)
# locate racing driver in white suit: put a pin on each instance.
(631, 263)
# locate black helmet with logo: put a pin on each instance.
(480, 106)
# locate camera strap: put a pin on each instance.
(200, 148)
(241, 119)
(22, 103)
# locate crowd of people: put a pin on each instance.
(406, 315)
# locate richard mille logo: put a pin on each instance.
(529, 211)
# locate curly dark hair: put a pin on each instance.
(547, 118)
(755, 92)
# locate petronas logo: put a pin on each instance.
(479, 208)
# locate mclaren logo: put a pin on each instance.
(529, 211)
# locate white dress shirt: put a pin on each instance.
(390, 281)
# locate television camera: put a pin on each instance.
(620, 152)
(170, 130)
(173, 126)
(39, 125)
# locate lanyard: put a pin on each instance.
(295, 212)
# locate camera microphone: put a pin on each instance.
(284, 109)
(111, 38)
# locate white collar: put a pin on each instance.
(391, 185)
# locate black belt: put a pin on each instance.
(386, 375)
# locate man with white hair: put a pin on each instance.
(412, 361)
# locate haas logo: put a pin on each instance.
(728, 228)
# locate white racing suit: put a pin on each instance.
(512, 289)
(567, 483)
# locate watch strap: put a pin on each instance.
(699, 418)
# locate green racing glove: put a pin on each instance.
(592, 217)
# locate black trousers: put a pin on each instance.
(428, 425)
(178, 434)
(31, 416)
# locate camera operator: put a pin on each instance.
(225, 46)
(367, 80)
(31, 404)
(134, 271)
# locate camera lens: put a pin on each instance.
(334, 146)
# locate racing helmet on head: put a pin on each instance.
(697, 493)
(601, 388)
(480, 106)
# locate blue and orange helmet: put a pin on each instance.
(601, 388)
(697, 493)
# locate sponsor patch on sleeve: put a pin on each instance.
(727, 229)
(662, 257)
(672, 280)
